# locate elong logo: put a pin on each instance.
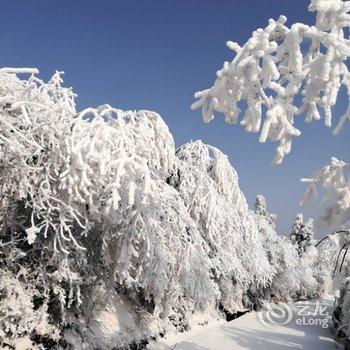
(302, 313)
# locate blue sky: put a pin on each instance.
(154, 54)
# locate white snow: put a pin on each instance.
(116, 206)
(278, 64)
(248, 332)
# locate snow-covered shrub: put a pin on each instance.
(167, 260)
(272, 245)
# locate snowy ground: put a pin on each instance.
(302, 330)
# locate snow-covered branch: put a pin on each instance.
(277, 65)
(334, 180)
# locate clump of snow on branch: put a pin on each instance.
(278, 64)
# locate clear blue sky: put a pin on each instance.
(154, 54)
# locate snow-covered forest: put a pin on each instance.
(111, 238)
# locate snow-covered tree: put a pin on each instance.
(261, 210)
(302, 234)
(84, 201)
(284, 256)
(209, 185)
(325, 263)
(302, 238)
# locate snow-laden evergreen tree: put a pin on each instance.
(302, 234)
(302, 238)
(261, 210)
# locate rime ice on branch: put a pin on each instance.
(334, 179)
(273, 68)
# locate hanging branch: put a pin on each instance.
(342, 263)
(337, 260)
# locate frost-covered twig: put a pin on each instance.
(273, 68)
(335, 181)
